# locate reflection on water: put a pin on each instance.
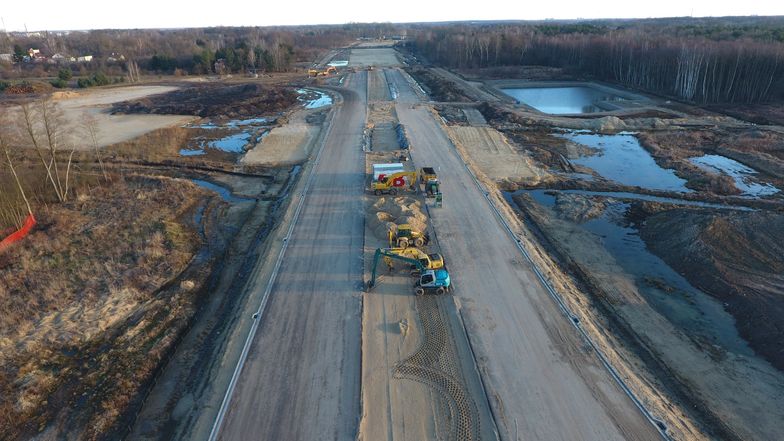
(743, 175)
(681, 303)
(622, 159)
(562, 100)
(321, 99)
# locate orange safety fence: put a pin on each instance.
(18, 234)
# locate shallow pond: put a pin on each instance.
(686, 306)
(562, 100)
(622, 159)
(233, 143)
(743, 175)
(314, 99)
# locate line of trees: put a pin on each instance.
(192, 50)
(692, 68)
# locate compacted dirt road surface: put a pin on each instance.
(301, 378)
(543, 380)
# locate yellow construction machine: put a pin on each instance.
(428, 261)
(405, 236)
(331, 70)
(395, 182)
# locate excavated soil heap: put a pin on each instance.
(389, 212)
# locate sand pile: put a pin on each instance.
(389, 212)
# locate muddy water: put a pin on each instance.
(224, 192)
(562, 100)
(622, 159)
(743, 175)
(684, 305)
(241, 133)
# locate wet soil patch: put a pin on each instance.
(214, 100)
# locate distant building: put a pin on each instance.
(60, 58)
(7, 58)
(85, 59)
(34, 53)
(115, 58)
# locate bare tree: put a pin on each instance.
(42, 124)
(4, 146)
(90, 127)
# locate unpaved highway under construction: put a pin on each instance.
(301, 378)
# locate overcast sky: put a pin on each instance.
(80, 14)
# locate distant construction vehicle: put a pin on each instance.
(405, 236)
(436, 281)
(395, 182)
(319, 73)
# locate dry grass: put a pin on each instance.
(83, 323)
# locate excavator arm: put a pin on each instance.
(385, 253)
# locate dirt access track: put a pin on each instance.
(299, 378)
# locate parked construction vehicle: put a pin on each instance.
(429, 261)
(429, 180)
(427, 174)
(405, 236)
(437, 281)
(395, 182)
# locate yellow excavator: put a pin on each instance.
(428, 261)
(317, 73)
(405, 236)
(395, 182)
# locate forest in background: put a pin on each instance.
(703, 60)
(179, 51)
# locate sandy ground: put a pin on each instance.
(301, 378)
(373, 57)
(290, 143)
(111, 128)
(530, 356)
(399, 332)
(491, 151)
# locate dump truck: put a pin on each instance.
(429, 180)
(394, 183)
(435, 281)
(427, 174)
(405, 236)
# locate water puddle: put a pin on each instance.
(542, 195)
(247, 122)
(191, 152)
(224, 192)
(236, 134)
(233, 143)
(665, 289)
(622, 159)
(743, 175)
(564, 100)
(314, 99)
